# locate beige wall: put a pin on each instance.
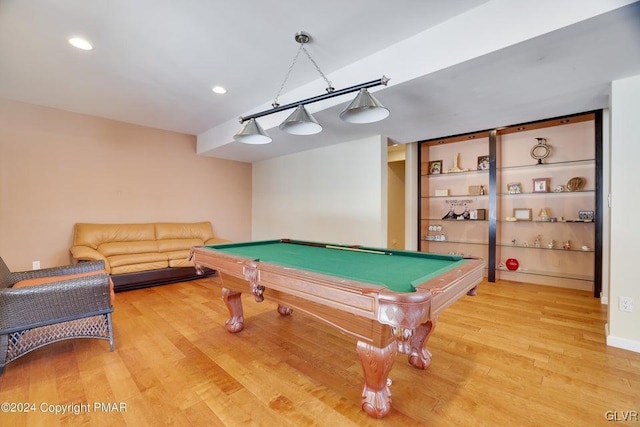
(333, 194)
(396, 200)
(624, 327)
(58, 168)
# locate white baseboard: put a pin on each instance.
(604, 300)
(623, 343)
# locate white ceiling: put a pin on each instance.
(455, 66)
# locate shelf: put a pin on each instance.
(568, 221)
(580, 162)
(547, 274)
(454, 196)
(456, 220)
(452, 174)
(547, 193)
(459, 242)
(460, 220)
(545, 248)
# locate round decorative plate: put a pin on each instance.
(576, 183)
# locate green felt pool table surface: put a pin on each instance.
(399, 271)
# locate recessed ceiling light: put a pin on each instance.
(219, 90)
(80, 43)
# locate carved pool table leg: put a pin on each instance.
(235, 323)
(420, 356)
(376, 365)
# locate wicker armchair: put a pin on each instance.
(44, 306)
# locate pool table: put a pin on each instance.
(389, 300)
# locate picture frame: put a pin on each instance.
(435, 167)
(514, 188)
(478, 190)
(478, 214)
(541, 185)
(483, 163)
(522, 214)
(586, 216)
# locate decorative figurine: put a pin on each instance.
(456, 165)
(541, 150)
(544, 214)
(567, 245)
(551, 244)
(537, 243)
(512, 264)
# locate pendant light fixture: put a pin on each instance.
(365, 108)
(300, 122)
(252, 133)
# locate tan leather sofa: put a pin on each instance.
(141, 255)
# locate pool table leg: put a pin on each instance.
(376, 365)
(419, 356)
(235, 323)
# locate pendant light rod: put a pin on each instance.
(373, 83)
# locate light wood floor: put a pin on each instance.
(513, 355)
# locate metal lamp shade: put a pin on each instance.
(300, 122)
(252, 133)
(364, 109)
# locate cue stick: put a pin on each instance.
(343, 248)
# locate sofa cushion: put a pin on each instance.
(180, 258)
(178, 255)
(128, 259)
(184, 230)
(180, 262)
(93, 235)
(171, 245)
(110, 249)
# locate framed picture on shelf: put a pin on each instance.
(586, 216)
(514, 188)
(435, 167)
(522, 214)
(483, 163)
(541, 185)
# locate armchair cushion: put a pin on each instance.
(36, 281)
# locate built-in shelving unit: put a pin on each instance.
(543, 213)
(462, 182)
